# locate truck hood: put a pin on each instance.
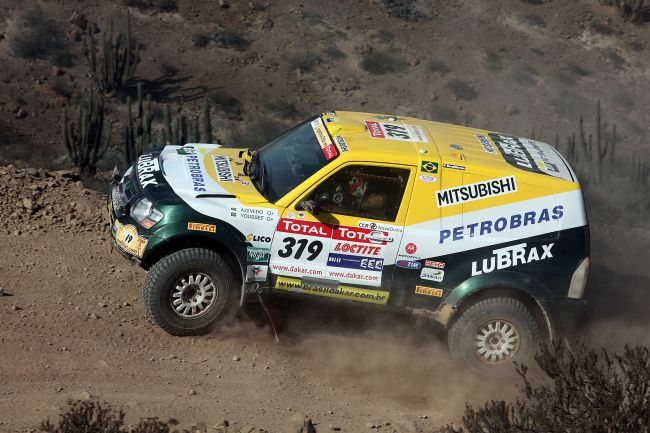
(203, 171)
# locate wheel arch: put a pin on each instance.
(196, 241)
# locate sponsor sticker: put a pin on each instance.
(408, 264)
(210, 228)
(256, 272)
(257, 255)
(434, 264)
(429, 167)
(476, 191)
(487, 146)
(359, 249)
(456, 146)
(223, 168)
(510, 222)
(308, 228)
(127, 238)
(355, 262)
(427, 178)
(396, 131)
(258, 238)
(339, 291)
(147, 165)
(341, 143)
(436, 275)
(429, 291)
(329, 150)
(411, 248)
(379, 226)
(454, 166)
(196, 172)
(515, 152)
(186, 151)
(255, 214)
(514, 255)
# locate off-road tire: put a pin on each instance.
(462, 336)
(163, 277)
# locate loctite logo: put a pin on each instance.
(304, 228)
(361, 249)
(374, 129)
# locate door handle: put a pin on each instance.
(379, 238)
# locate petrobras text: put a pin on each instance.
(500, 224)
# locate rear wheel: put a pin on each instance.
(189, 290)
(492, 333)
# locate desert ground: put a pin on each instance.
(72, 325)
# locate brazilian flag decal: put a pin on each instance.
(429, 167)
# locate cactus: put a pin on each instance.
(632, 10)
(604, 144)
(207, 124)
(639, 173)
(86, 141)
(118, 62)
(138, 135)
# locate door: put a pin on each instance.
(347, 247)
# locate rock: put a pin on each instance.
(28, 204)
(224, 4)
(299, 423)
(16, 308)
(2, 291)
(223, 424)
(236, 358)
(192, 392)
(512, 110)
(83, 396)
(21, 114)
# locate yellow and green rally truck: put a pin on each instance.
(483, 232)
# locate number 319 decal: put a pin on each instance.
(314, 248)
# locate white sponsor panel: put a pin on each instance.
(432, 274)
(511, 256)
(256, 272)
(499, 224)
(396, 131)
(476, 191)
(189, 179)
(547, 159)
(300, 248)
(427, 178)
(223, 168)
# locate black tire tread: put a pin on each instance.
(459, 329)
(157, 274)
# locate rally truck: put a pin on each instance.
(483, 232)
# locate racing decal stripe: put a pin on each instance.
(495, 225)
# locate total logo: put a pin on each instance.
(258, 238)
(513, 255)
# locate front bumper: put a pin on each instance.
(128, 238)
(565, 315)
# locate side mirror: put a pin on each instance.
(309, 206)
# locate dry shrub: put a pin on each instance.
(95, 417)
(38, 37)
(582, 391)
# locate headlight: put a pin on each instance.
(145, 213)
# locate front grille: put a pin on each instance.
(116, 198)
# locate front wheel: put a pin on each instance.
(188, 291)
(493, 333)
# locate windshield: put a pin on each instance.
(291, 158)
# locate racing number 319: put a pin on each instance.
(393, 130)
(313, 248)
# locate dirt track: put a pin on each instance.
(72, 326)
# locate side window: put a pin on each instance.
(363, 191)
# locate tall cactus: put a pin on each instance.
(118, 61)
(604, 144)
(87, 139)
(138, 134)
